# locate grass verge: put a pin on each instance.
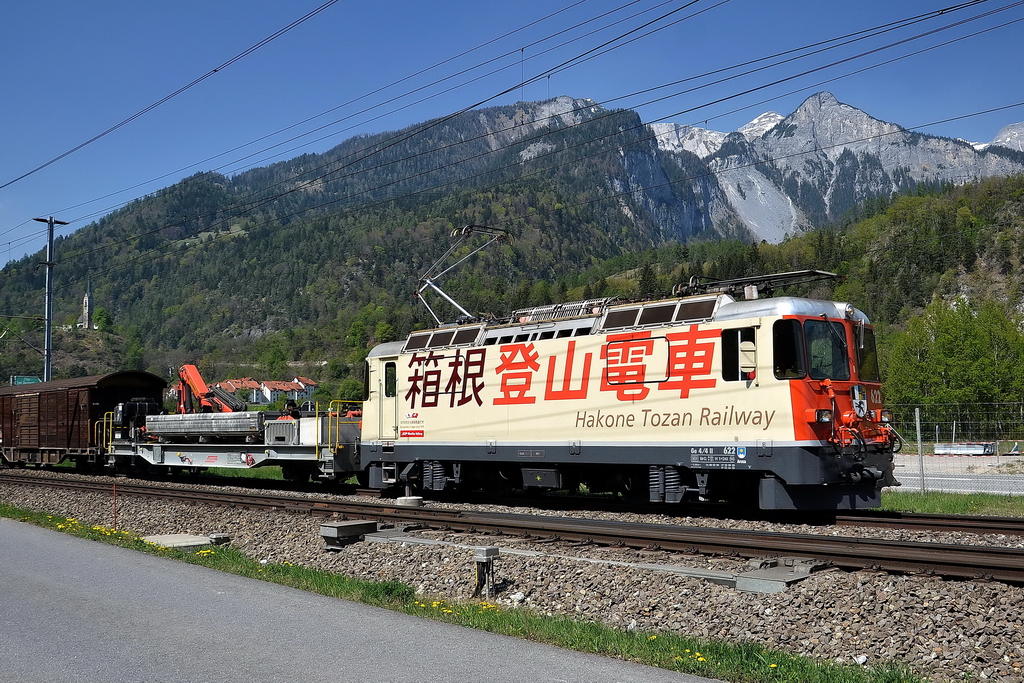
(938, 502)
(267, 472)
(739, 663)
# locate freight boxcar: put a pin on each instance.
(54, 421)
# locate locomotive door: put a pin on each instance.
(388, 396)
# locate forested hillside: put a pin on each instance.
(306, 282)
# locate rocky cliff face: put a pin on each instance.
(780, 175)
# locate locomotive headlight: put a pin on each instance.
(886, 416)
(818, 415)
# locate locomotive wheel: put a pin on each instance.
(632, 484)
(298, 473)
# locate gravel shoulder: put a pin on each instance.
(946, 629)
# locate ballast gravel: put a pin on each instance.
(948, 630)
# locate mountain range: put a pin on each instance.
(775, 176)
(779, 175)
(323, 252)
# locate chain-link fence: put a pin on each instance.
(961, 448)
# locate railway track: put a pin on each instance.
(954, 561)
(1011, 526)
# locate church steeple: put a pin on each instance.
(85, 320)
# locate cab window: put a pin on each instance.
(826, 350)
(867, 357)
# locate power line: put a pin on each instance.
(239, 208)
(177, 92)
(393, 198)
(405, 135)
(373, 92)
(151, 256)
(892, 24)
(32, 236)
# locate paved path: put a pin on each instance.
(73, 611)
(961, 474)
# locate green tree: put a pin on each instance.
(648, 281)
(384, 332)
(350, 390)
(952, 353)
(273, 360)
(102, 319)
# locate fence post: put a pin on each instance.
(920, 448)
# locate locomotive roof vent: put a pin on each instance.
(450, 336)
(663, 313)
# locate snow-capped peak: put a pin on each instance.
(673, 137)
(761, 125)
(1011, 136)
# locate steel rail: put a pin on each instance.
(1013, 526)
(955, 561)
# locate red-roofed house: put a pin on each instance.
(273, 390)
(246, 388)
(310, 384)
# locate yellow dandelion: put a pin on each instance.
(651, 637)
(772, 666)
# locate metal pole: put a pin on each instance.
(48, 345)
(920, 448)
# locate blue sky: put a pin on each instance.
(72, 70)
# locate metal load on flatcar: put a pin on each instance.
(773, 401)
(304, 444)
(214, 429)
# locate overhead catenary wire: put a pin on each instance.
(378, 90)
(859, 35)
(166, 98)
(317, 207)
(313, 118)
(405, 135)
(905, 21)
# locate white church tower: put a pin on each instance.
(85, 320)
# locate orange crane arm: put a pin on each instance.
(194, 396)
